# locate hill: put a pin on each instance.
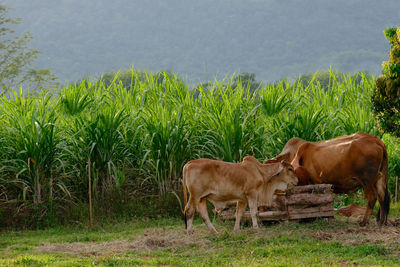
(203, 39)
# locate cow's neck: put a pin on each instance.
(266, 195)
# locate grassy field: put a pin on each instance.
(336, 242)
(133, 142)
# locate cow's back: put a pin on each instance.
(345, 163)
(221, 181)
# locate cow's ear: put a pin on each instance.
(278, 171)
(286, 163)
(278, 158)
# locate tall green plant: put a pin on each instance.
(138, 139)
(228, 118)
(34, 151)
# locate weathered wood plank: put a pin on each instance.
(283, 217)
(322, 208)
(268, 215)
(313, 188)
(311, 215)
(309, 199)
(280, 193)
(264, 216)
(228, 214)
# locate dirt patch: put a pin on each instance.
(347, 233)
(158, 243)
(356, 235)
(7, 249)
(395, 222)
(323, 236)
(150, 240)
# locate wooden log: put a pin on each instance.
(283, 217)
(228, 214)
(267, 215)
(309, 199)
(311, 215)
(263, 216)
(313, 188)
(271, 214)
(280, 193)
(322, 208)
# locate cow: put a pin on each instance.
(348, 163)
(248, 182)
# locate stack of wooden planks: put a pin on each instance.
(300, 202)
(309, 201)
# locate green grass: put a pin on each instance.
(164, 242)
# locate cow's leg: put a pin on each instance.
(202, 210)
(383, 198)
(189, 215)
(253, 210)
(370, 194)
(240, 207)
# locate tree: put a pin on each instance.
(247, 80)
(386, 98)
(129, 77)
(324, 78)
(16, 59)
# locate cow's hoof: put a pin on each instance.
(189, 232)
(363, 223)
(382, 223)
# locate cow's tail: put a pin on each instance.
(184, 175)
(384, 210)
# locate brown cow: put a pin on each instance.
(248, 182)
(349, 163)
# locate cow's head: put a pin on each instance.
(302, 174)
(289, 151)
(285, 176)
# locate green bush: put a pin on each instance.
(386, 97)
(327, 78)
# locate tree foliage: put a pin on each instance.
(327, 78)
(16, 58)
(128, 78)
(247, 80)
(386, 98)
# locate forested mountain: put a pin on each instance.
(207, 38)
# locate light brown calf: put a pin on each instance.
(248, 182)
